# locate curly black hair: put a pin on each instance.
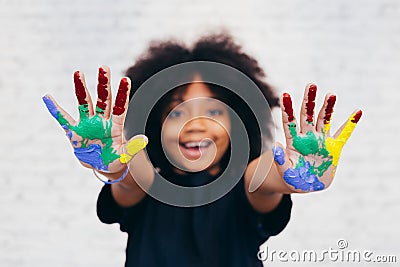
(219, 48)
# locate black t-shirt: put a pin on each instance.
(226, 232)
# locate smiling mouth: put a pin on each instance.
(194, 149)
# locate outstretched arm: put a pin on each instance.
(97, 137)
(309, 161)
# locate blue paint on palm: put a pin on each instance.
(303, 177)
(279, 155)
(92, 156)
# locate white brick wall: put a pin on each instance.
(47, 201)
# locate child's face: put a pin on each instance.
(195, 134)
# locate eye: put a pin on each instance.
(215, 112)
(175, 114)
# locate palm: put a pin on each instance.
(310, 159)
(97, 137)
(101, 138)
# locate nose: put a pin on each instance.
(196, 125)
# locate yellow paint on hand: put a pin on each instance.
(334, 146)
(327, 127)
(132, 148)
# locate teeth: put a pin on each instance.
(192, 144)
(197, 144)
(204, 144)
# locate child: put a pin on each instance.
(189, 134)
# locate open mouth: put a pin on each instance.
(194, 149)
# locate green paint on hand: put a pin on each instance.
(93, 129)
(84, 111)
(306, 145)
(311, 145)
(99, 110)
(324, 167)
(300, 163)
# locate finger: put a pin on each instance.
(103, 105)
(325, 114)
(288, 120)
(134, 145)
(281, 158)
(307, 109)
(334, 145)
(83, 96)
(265, 166)
(63, 118)
(121, 102)
(344, 132)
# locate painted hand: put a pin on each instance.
(97, 137)
(310, 159)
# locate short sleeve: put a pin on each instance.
(108, 210)
(273, 222)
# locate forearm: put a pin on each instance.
(133, 188)
(264, 202)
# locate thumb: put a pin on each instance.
(133, 146)
(281, 158)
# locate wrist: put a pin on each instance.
(112, 178)
(113, 175)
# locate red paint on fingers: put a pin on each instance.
(310, 105)
(101, 105)
(79, 89)
(357, 116)
(102, 92)
(329, 109)
(287, 104)
(122, 95)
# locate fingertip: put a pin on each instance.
(51, 106)
(330, 93)
(47, 100)
(126, 80)
(124, 84)
(105, 68)
(312, 87)
(79, 79)
(330, 96)
(357, 116)
(141, 136)
(46, 97)
(312, 92)
(103, 75)
(77, 75)
(278, 153)
(136, 144)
